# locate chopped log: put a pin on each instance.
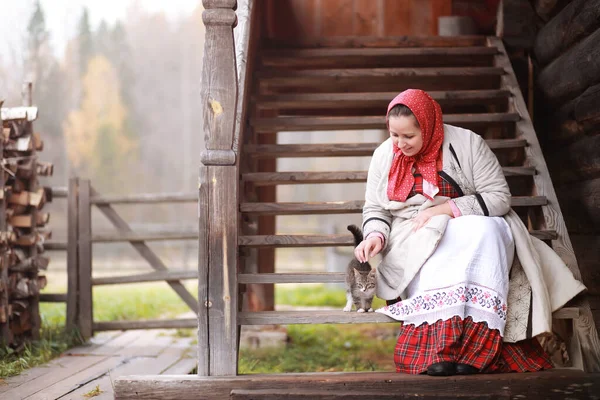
(577, 162)
(28, 114)
(546, 9)
(28, 199)
(577, 118)
(24, 221)
(576, 21)
(38, 143)
(33, 263)
(580, 202)
(573, 72)
(45, 168)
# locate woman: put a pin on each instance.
(437, 206)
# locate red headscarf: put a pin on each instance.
(429, 116)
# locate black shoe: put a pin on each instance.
(444, 368)
(466, 369)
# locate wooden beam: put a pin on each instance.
(53, 297)
(144, 236)
(328, 101)
(302, 177)
(147, 198)
(150, 324)
(219, 188)
(546, 384)
(313, 277)
(172, 275)
(288, 241)
(576, 21)
(84, 251)
(346, 149)
(301, 124)
(370, 42)
(347, 207)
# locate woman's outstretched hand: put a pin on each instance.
(424, 216)
(367, 249)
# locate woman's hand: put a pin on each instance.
(367, 249)
(424, 216)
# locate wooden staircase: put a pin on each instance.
(341, 87)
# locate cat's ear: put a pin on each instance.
(356, 272)
(372, 272)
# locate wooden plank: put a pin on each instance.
(53, 297)
(311, 317)
(313, 277)
(56, 371)
(84, 249)
(346, 149)
(133, 237)
(313, 101)
(288, 241)
(349, 207)
(397, 18)
(146, 198)
(146, 253)
(302, 124)
(576, 21)
(378, 57)
(316, 394)
(302, 177)
(109, 345)
(100, 339)
(550, 384)
(149, 324)
(368, 42)
(76, 379)
(584, 326)
(184, 366)
(171, 275)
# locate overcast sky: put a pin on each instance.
(62, 17)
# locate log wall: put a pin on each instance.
(566, 49)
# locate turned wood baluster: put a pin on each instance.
(218, 197)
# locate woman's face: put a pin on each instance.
(406, 135)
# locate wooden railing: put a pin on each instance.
(81, 198)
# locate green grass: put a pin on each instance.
(317, 348)
(311, 347)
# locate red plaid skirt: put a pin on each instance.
(465, 342)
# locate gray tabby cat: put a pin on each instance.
(360, 279)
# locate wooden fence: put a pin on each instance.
(81, 197)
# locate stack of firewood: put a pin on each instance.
(21, 226)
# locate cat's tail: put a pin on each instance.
(357, 233)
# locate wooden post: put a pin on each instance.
(72, 255)
(85, 320)
(218, 191)
(4, 284)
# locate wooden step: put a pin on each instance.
(303, 124)
(303, 177)
(349, 207)
(380, 79)
(339, 317)
(367, 42)
(289, 241)
(329, 101)
(379, 57)
(346, 149)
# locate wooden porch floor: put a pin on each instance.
(108, 356)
